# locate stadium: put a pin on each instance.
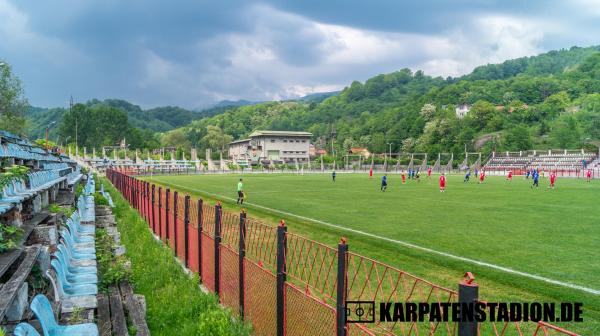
(291, 168)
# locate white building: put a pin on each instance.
(462, 110)
(271, 146)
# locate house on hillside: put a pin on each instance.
(271, 147)
(364, 152)
(320, 152)
(462, 110)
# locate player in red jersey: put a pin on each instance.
(552, 180)
(509, 176)
(429, 172)
(588, 175)
(403, 178)
(481, 176)
(442, 183)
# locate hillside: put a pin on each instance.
(158, 119)
(549, 100)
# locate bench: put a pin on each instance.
(114, 307)
(9, 290)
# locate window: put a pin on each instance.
(284, 140)
(303, 141)
(272, 140)
(298, 141)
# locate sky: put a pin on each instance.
(195, 53)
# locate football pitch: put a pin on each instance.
(522, 244)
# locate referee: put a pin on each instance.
(240, 190)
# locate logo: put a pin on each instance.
(360, 311)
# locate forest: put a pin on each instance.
(550, 100)
(547, 101)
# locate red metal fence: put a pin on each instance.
(285, 284)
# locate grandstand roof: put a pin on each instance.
(279, 133)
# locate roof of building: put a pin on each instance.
(358, 149)
(239, 141)
(279, 133)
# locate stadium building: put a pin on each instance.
(271, 147)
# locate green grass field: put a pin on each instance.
(553, 234)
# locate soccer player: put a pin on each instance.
(509, 177)
(588, 175)
(403, 177)
(527, 175)
(442, 183)
(552, 179)
(240, 190)
(418, 176)
(384, 183)
(481, 176)
(467, 176)
(333, 176)
(429, 172)
(536, 178)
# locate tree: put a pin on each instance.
(348, 143)
(428, 111)
(518, 138)
(481, 113)
(12, 101)
(565, 132)
(175, 138)
(215, 139)
(408, 145)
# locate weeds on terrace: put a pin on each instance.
(99, 199)
(175, 304)
(55, 208)
(9, 236)
(111, 269)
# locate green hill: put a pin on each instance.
(550, 100)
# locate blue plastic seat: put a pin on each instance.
(82, 228)
(72, 268)
(25, 329)
(76, 278)
(82, 252)
(79, 237)
(73, 260)
(43, 311)
(68, 289)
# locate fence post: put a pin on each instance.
(147, 201)
(341, 288)
(167, 194)
(160, 205)
(175, 201)
(217, 244)
(153, 214)
(200, 219)
(186, 224)
(281, 277)
(468, 292)
(242, 255)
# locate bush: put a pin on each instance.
(9, 235)
(99, 199)
(67, 211)
(111, 269)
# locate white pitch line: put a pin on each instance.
(411, 245)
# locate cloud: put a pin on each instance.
(195, 52)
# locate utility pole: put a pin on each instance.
(76, 139)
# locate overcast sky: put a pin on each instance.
(193, 53)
